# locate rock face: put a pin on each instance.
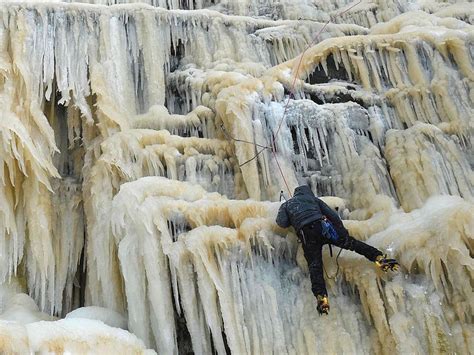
(144, 145)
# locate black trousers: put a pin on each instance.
(313, 242)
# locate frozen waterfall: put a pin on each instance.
(144, 145)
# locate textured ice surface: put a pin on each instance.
(143, 147)
(68, 336)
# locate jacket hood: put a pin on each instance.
(303, 190)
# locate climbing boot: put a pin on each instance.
(323, 304)
(386, 264)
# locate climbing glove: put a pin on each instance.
(386, 264)
(323, 304)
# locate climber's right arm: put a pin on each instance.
(283, 220)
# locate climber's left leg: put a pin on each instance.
(373, 254)
(350, 243)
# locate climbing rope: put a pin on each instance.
(337, 263)
(229, 137)
(275, 136)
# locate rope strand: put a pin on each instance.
(275, 136)
(337, 270)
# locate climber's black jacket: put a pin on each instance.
(304, 208)
(304, 212)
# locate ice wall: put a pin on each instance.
(144, 146)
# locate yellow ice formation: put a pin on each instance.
(140, 171)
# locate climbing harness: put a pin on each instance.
(328, 230)
(334, 237)
(330, 233)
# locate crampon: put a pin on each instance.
(323, 304)
(386, 264)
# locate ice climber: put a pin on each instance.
(316, 224)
